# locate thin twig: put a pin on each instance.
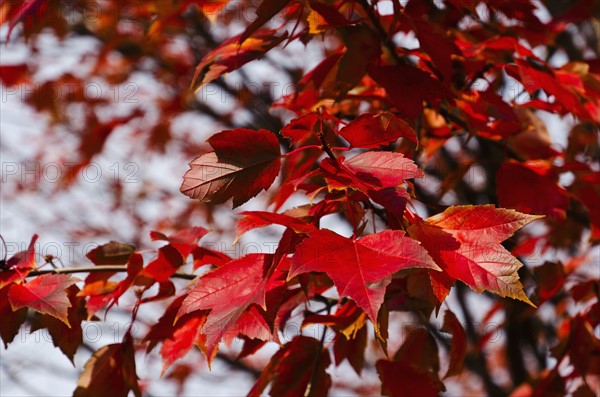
(100, 269)
(382, 33)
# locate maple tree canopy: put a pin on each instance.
(423, 176)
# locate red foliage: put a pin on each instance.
(420, 129)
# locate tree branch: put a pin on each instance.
(100, 269)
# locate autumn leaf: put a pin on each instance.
(413, 370)
(205, 256)
(112, 253)
(103, 292)
(227, 292)
(528, 187)
(458, 349)
(178, 336)
(383, 169)
(360, 269)
(244, 163)
(66, 338)
(19, 265)
(298, 369)
(11, 320)
(231, 55)
(110, 372)
(377, 174)
(407, 87)
(258, 219)
(265, 11)
(163, 266)
(372, 131)
(184, 240)
(45, 294)
(465, 242)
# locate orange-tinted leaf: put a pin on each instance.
(360, 269)
(469, 249)
(480, 223)
(227, 292)
(232, 54)
(244, 163)
(372, 131)
(110, 372)
(298, 369)
(102, 292)
(45, 294)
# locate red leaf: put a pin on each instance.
(414, 369)
(231, 55)
(265, 11)
(362, 47)
(244, 163)
(550, 278)
(528, 188)
(407, 87)
(178, 336)
(103, 292)
(258, 219)
(458, 349)
(109, 372)
(465, 242)
(204, 256)
(67, 339)
(11, 320)
(351, 349)
(11, 75)
(372, 131)
(360, 269)
(46, 294)
(19, 265)
(298, 369)
(383, 169)
(480, 223)
(164, 266)
(399, 378)
(303, 130)
(112, 253)
(184, 240)
(227, 292)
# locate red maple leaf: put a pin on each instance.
(244, 163)
(360, 269)
(46, 294)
